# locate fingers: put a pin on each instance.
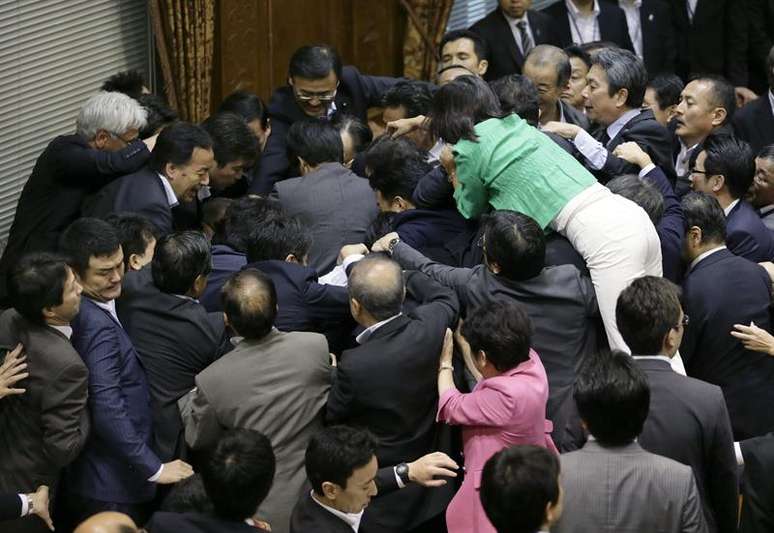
(434, 483)
(438, 471)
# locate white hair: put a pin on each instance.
(115, 113)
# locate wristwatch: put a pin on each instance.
(30, 504)
(402, 471)
(391, 246)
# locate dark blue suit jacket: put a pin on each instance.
(747, 236)
(225, 261)
(117, 460)
(720, 291)
(430, 230)
(671, 227)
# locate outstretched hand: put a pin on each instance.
(12, 371)
(424, 470)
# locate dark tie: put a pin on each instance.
(604, 138)
(526, 42)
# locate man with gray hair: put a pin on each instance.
(104, 147)
(613, 99)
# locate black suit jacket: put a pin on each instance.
(176, 339)
(66, 171)
(722, 290)
(658, 37)
(747, 235)
(611, 21)
(688, 422)
(505, 56)
(163, 522)
(372, 389)
(10, 506)
(754, 123)
(356, 93)
(715, 42)
(758, 503)
(141, 193)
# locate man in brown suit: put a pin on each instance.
(44, 429)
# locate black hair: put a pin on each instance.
(479, 45)
(733, 159)
(546, 54)
(624, 70)
(641, 192)
(247, 105)
(384, 299)
(128, 82)
(703, 211)
(314, 141)
(457, 66)
(214, 215)
(721, 94)
(314, 62)
(243, 215)
(359, 131)
(383, 224)
(187, 496)
(646, 311)
(277, 238)
(179, 259)
(238, 474)
(395, 166)
(335, 453)
(159, 114)
(516, 243)
(176, 143)
(415, 97)
(502, 330)
(36, 282)
(612, 396)
(250, 302)
(459, 105)
(594, 47)
(517, 484)
(576, 51)
(668, 88)
(232, 139)
(767, 152)
(518, 94)
(86, 238)
(135, 232)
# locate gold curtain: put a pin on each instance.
(427, 21)
(185, 44)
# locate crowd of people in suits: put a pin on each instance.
(533, 295)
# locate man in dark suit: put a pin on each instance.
(763, 186)
(724, 169)
(688, 420)
(179, 166)
(586, 21)
(754, 122)
(318, 87)
(652, 34)
(237, 475)
(549, 69)
(757, 456)
(720, 290)
(560, 301)
(44, 429)
(117, 469)
(614, 96)
(173, 334)
(711, 39)
(510, 32)
(463, 48)
(386, 383)
(337, 205)
(760, 23)
(71, 167)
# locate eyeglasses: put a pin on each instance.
(321, 97)
(697, 171)
(684, 322)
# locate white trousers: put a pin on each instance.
(618, 242)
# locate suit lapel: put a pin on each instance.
(506, 34)
(764, 117)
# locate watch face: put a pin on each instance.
(402, 470)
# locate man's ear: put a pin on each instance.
(719, 115)
(170, 170)
(134, 262)
(291, 258)
(330, 490)
(225, 321)
(621, 96)
(718, 183)
(483, 66)
(101, 139)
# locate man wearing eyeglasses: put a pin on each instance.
(763, 186)
(318, 87)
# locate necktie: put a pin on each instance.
(526, 42)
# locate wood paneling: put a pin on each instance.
(255, 39)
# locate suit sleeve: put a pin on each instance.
(64, 417)
(201, 423)
(758, 504)
(743, 245)
(373, 87)
(326, 302)
(692, 516)
(10, 507)
(483, 407)
(82, 165)
(693, 331)
(385, 480)
(722, 469)
(341, 400)
(672, 223)
(433, 190)
(410, 259)
(273, 165)
(109, 411)
(436, 301)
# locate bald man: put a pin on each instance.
(549, 69)
(107, 522)
(386, 383)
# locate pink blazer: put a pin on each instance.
(500, 412)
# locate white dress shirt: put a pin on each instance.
(364, 336)
(684, 158)
(632, 10)
(351, 519)
(168, 190)
(513, 23)
(771, 102)
(67, 331)
(704, 255)
(583, 28)
(730, 206)
(594, 151)
(691, 8)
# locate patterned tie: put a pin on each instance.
(526, 42)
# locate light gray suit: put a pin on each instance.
(277, 385)
(337, 205)
(627, 490)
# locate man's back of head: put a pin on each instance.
(641, 192)
(411, 97)
(279, 238)
(312, 143)
(129, 82)
(376, 289)
(518, 94)
(648, 311)
(181, 263)
(514, 245)
(243, 215)
(250, 303)
(107, 522)
(394, 167)
(705, 224)
(613, 397)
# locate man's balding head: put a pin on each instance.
(547, 56)
(107, 522)
(376, 287)
(452, 72)
(250, 303)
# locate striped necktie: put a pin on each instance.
(526, 42)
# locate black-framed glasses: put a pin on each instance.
(325, 97)
(697, 171)
(685, 321)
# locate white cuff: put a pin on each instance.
(397, 477)
(25, 510)
(593, 150)
(157, 475)
(739, 456)
(646, 170)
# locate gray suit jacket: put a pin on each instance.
(277, 385)
(627, 490)
(337, 205)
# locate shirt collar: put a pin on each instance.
(616, 127)
(730, 206)
(110, 307)
(67, 331)
(634, 3)
(704, 256)
(365, 335)
(654, 357)
(331, 110)
(352, 519)
(766, 209)
(168, 190)
(576, 12)
(185, 297)
(434, 154)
